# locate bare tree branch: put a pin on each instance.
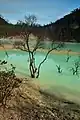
(23, 49)
(34, 71)
(58, 46)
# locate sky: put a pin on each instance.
(46, 11)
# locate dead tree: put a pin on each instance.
(17, 44)
(35, 70)
(68, 56)
(59, 69)
(75, 69)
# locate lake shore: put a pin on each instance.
(29, 102)
(10, 47)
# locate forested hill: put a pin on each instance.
(66, 28)
(3, 21)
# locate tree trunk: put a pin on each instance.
(32, 65)
(32, 72)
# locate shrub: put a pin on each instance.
(8, 82)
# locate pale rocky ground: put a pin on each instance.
(28, 102)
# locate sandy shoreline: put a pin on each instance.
(7, 47)
(59, 52)
(10, 47)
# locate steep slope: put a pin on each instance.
(66, 28)
(3, 21)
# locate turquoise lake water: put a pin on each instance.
(64, 84)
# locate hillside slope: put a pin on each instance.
(66, 28)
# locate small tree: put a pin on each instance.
(8, 82)
(30, 20)
(75, 69)
(59, 68)
(35, 70)
(68, 56)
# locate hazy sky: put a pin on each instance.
(45, 10)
